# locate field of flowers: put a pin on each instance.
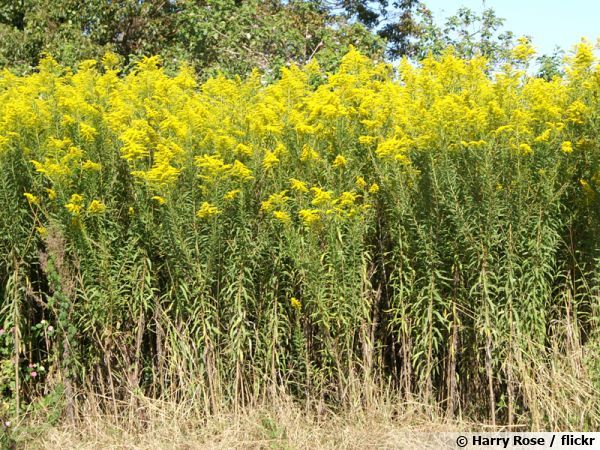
(431, 234)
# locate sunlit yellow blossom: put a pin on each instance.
(583, 56)
(374, 188)
(87, 132)
(321, 197)
(503, 129)
(282, 216)
(42, 231)
(96, 207)
(212, 167)
(31, 198)
(340, 161)
(280, 150)
(360, 182)
(231, 195)
(525, 149)
(544, 136)
(68, 120)
(244, 149)
(393, 148)
(309, 154)
(137, 140)
(111, 60)
(295, 303)
(240, 171)
(207, 210)
(90, 165)
(367, 140)
(275, 201)
(76, 198)
(298, 185)
(523, 51)
(74, 208)
(577, 112)
(346, 199)
(306, 129)
(566, 147)
(310, 217)
(75, 204)
(158, 199)
(51, 193)
(270, 160)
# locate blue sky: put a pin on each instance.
(548, 22)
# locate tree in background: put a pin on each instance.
(397, 22)
(228, 35)
(235, 36)
(73, 30)
(469, 33)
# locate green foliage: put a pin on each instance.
(465, 274)
(550, 66)
(468, 32)
(213, 35)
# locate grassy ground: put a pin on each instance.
(280, 426)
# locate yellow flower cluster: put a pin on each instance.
(301, 152)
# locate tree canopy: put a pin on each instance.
(235, 36)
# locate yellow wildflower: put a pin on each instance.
(274, 201)
(96, 207)
(282, 216)
(298, 185)
(310, 217)
(306, 129)
(280, 150)
(67, 120)
(525, 149)
(374, 189)
(347, 199)
(110, 60)
(51, 193)
(76, 198)
(367, 140)
(240, 171)
(31, 198)
(321, 197)
(244, 149)
(73, 208)
(158, 199)
(90, 165)
(207, 210)
(523, 51)
(231, 195)
(87, 132)
(361, 183)
(393, 148)
(270, 160)
(295, 303)
(340, 161)
(566, 147)
(309, 154)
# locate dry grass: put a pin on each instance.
(283, 425)
(556, 395)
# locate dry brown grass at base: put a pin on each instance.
(282, 425)
(559, 396)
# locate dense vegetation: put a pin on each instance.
(236, 36)
(431, 234)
